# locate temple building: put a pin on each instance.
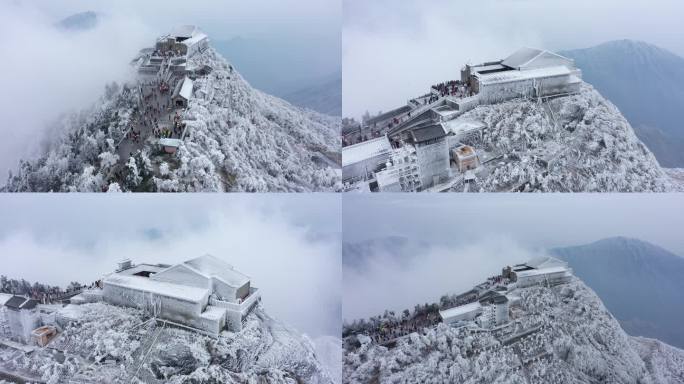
(543, 270)
(205, 293)
(528, 72)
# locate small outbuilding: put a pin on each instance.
(182, 93)
(465, 158)
(170, 145)
(22, 317)
(43, 335)
(465, 312)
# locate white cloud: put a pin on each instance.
(387, 283)
(299, 274)
(47, 72)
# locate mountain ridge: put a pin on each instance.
(645, 82)
(638, 281)
(239, 139)
(575, 340)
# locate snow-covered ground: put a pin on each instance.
(578, 143)
(239, 139)
(572, 339)
(108, 344)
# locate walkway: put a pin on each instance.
(155, 115)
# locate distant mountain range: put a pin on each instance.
(289, 77)
(79, 21)
(647, 84)
(355, 255)
(640, 283)
(284, 70)
(325, 97)
(561, 334)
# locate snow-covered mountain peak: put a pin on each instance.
(576, 143)
(223, 135)
(558, 334)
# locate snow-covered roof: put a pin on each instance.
(142, 268)
(213, 313)
(521, 56)
(532, 57)
(213, 267)
(4, 297)
(545, 262)
(461, 125)
(365, 150)
(170, 142)
(489, 67)
(195, 39)
(185, 31)
(20, 302)
(184, 90)
(511, 76)
(389, 114)
(460, 310)
(176, 291)
(445, 110)
(541, 271)
(431, 132)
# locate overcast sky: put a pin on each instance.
(393, 51)
(289, 244)
(47, 72)
(470, 237)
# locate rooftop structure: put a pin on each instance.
(428, 134)
(183, 40)
(184, 32)
(360, 161)
(4, 297)
(20, 302)
(530, 58)
(544, 270)
(204, 293)
(528, 72)
(461, 313)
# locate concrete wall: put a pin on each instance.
(236, 313)
(464, 316)
(358, 170)
(168, 308)
(497, 92)
(501, 313)
(230, 293)
(433, 160)
(550, 278)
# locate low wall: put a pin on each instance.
(236, 313)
